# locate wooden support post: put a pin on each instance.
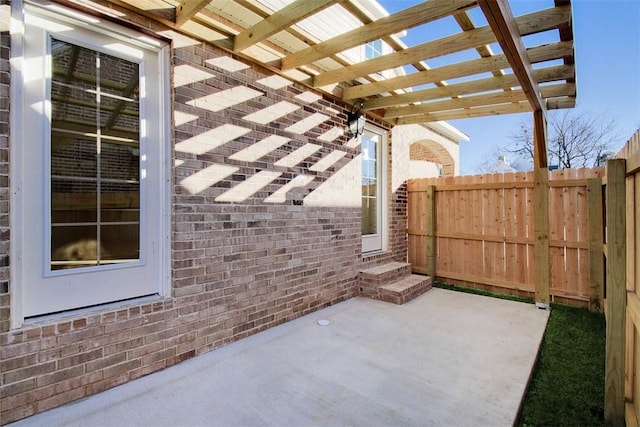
(596, 241)
(614, 404)
(431, 230)
(541, 210)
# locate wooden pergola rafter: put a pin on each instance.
(285, 41)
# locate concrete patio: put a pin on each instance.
(445, 358)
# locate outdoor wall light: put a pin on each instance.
(355, 121)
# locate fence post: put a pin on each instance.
(431, 230)
(596, 230)
(541, 210)
(616, 293)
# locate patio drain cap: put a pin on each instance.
(323, 322)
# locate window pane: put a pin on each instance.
(369, 186)
(73, 201)
(119, 163)
(95, 158)
(119, 101)
(369, 216)
(74, 247)
(120, 242)
(120, 219)
(73, 156)
(373, 49)
(73, 87)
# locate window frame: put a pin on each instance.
(19, 173)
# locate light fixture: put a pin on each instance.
(355, 121)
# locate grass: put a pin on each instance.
(567, 387)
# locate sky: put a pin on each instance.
(607, 54)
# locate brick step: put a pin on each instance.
(375, 277)
(405, 289)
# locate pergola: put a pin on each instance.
(308, 41)
(292, 38)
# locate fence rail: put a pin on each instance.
(479, 231)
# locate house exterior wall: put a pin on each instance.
(424, 169)
(250, 249)
(426, 144)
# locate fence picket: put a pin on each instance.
(570, 233)
(520, 218)
(474, 246)
(582, 212)
(556, 232)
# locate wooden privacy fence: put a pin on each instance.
(622, 382)
(479, 231)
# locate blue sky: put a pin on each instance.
(607, 52)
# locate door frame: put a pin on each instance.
(378, 242)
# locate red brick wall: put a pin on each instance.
(238, 267)
(397, 214)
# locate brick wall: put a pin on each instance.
(433, 153)
(397, 208)
(265, 228)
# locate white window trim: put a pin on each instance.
(18, 170)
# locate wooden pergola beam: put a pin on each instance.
(503, 24)
(405, 19)
(558, 72)
(292, 30)
(467, 113)
(457, 89)
(422, 52)
(279, 21)
(453, 71)
(187, 9)
(560, 103)
(502, 97)
(390, 40)
(464, 21)
(531, 23)
(494, 98)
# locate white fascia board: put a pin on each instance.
(449, 131)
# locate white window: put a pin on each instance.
(92, 223)
(373, 49)
(373, 145)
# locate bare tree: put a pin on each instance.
(573, 140)
(487, 160)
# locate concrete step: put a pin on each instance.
(405, 289)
